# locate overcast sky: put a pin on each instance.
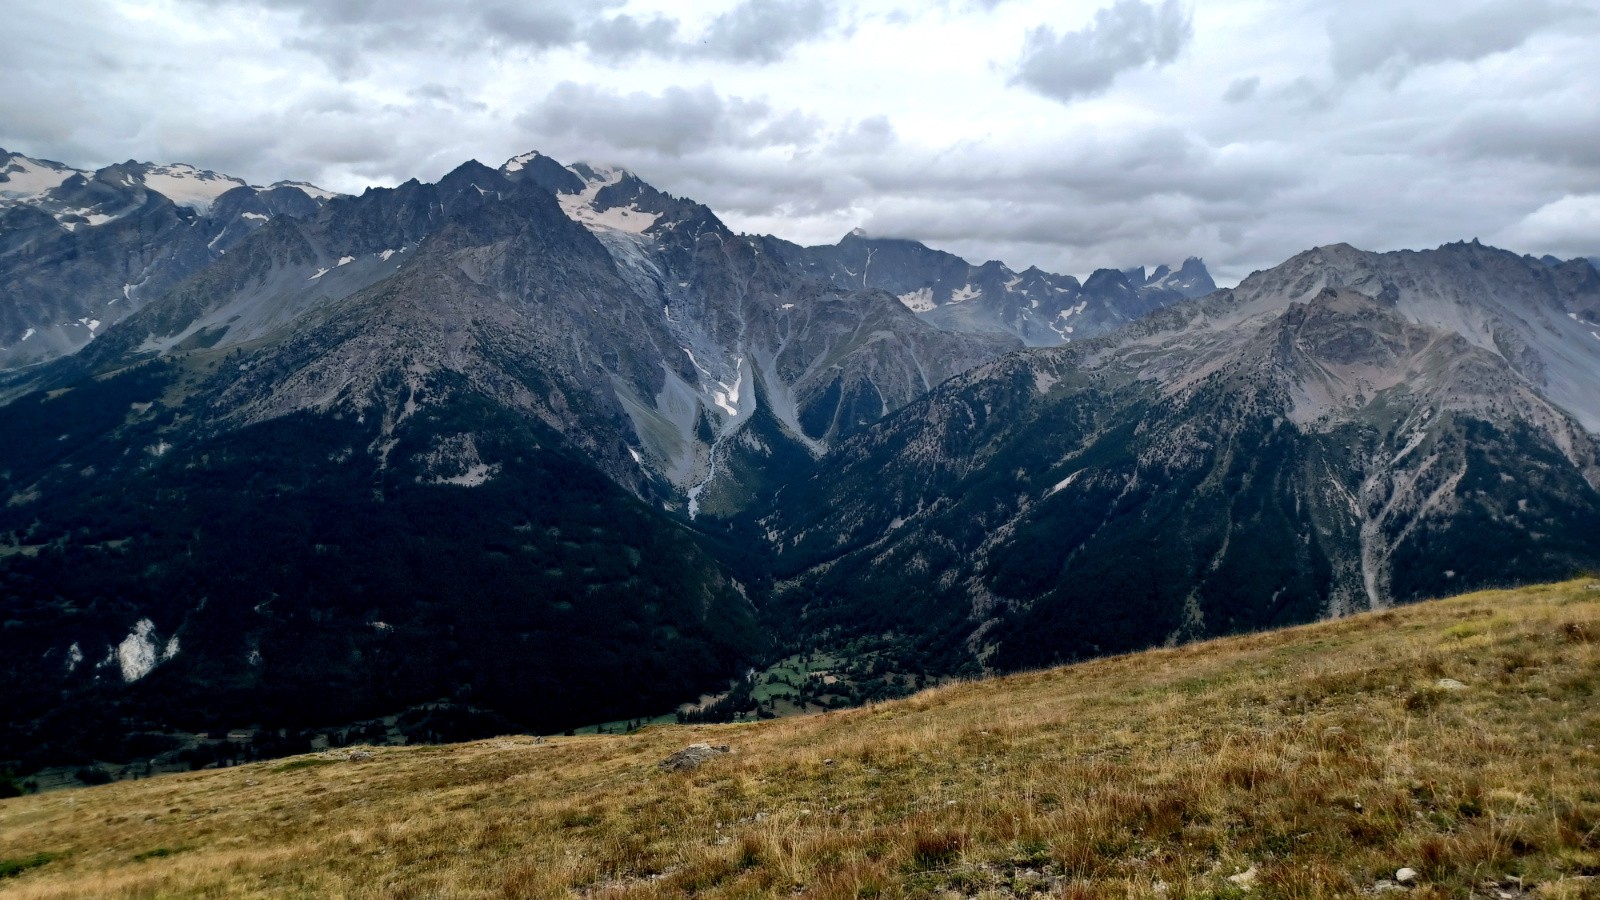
(1069, 135)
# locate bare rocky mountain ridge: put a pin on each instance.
(81, 250)
(1040, 308)
(1342, 432)
(696, 357)
(667, 347)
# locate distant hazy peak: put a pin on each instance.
(25, 180)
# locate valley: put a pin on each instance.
(541, 447)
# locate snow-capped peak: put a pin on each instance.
(517, 163)
(581, 207)
(307, 188)
(23, 178)
(601, 175)
(78, 198)
(188, 186)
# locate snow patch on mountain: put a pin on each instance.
(920, 300)
(581, 207)
(188, 186)
(517, 163)
(83, 217)
(727, 399)
(310, 190)
(1063, 484)
(23, 178)
(964, 293)
(475, 475)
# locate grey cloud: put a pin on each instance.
(533, 25)
(339, 31)
(674, 122)
(1127, 35)
(446, 95)
(1308, 94)
(1396, 38)
(1569, 137)
(1242, 89)
(624, 36)
(762, 31)
(348, 35)
(872, 135)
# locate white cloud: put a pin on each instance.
(1392, 39)
(1565, 228)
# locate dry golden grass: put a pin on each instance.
(1325, 757)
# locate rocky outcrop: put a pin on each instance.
(692, 757)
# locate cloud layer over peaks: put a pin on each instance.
(1070, 134)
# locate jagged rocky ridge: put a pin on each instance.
(681, 357)
(1345, 431)
(81, 250)
(1040, 308)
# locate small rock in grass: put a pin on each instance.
(359, 755)
(1245, 879)
(1406, 876)
(1449, 684)
(691, 757)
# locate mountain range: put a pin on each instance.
(80, 250)
(550, 443)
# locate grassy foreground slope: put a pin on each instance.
(1456, 737)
